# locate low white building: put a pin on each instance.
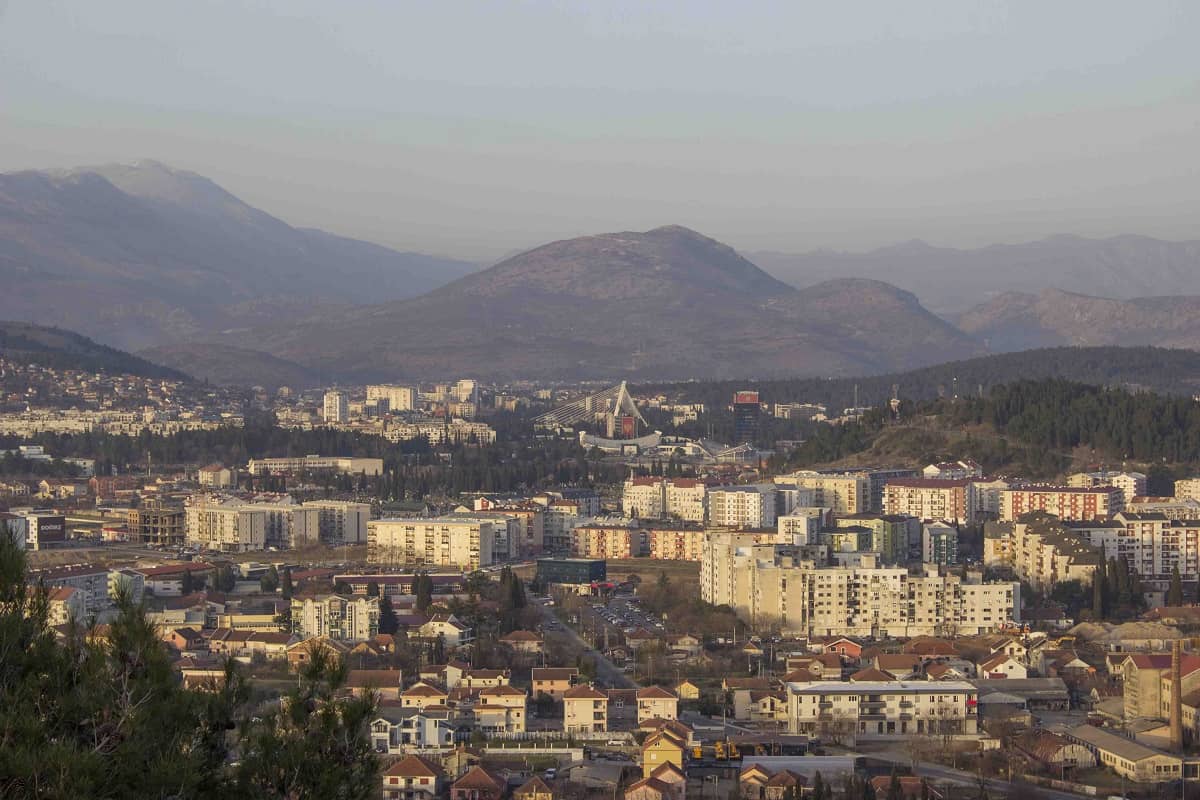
(882, 709)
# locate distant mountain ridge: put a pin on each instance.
(1018, 321)
(142, 255)
(27, 343)
(949, 281)
(664, 302)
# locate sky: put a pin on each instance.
(473, 128)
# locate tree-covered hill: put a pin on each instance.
(1166, 371)
(26, 343)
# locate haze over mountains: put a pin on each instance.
(149, 258)
(139, 255)
(950, 281)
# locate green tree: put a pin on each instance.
(188, 584)
(316, 745)
(424, 591)
(101, 718)
(269, 582)
(388, 623)
(1175, 592)
(372, 589)
(286, 585)
(895, 790)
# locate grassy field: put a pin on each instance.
(648, 569)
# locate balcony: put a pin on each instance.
(906, 703)
(873, 716)
(873, 703)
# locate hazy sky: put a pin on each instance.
(474, 128)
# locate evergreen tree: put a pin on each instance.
(1175, 593)
(423, 587)
(372, 589)
(316, 744)
(286, 585)
(439, 649)
(269, 582)
(388, 623)
(1098, 592)
(188, 584)
(818, 788)
(895, 790)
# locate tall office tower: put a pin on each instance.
(745, 416)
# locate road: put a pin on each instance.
(607, 673)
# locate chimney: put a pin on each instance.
(1176, 699)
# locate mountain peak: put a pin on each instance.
(666, 263)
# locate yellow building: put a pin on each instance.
(664, 747)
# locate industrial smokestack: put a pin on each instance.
(1176, 698)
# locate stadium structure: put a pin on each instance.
(624, 426)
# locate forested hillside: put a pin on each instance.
(1138, 368)
(1037, 428)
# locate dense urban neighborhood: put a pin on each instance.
(652, 612)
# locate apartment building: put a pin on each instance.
(610, 538)
(464, 542)
(939, 543)
(800, 527)
(341, 521)
(844, 493)
(351, 466)
(558, 520)
(891, 534)
(1187, 489)
(863, 710)
(336, 407)
(676, 543)
(931, 499)
(1042, 550)
(1131, 484)
(437, 432)
(644, 498)
(1152, 544)
(228, 528)
(773, 589)
(1064, 502)
(749, 507)
(678, 498)
(398, 398)
(531, 526)
(289, 526)
(336, 617)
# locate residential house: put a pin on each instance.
(534, 789)
(501, 709)
(384, 682)
(585, 710)
(484, 678)
(413, 778)
(64, 604)
(655, 702)
(478, 784)
(1002, 665)
(301, 652)
(448, 627)
(553, 681)
(525, 642)
(421, 695)
(201, 673)
(686, 690)
(666, 746)
(397, 730)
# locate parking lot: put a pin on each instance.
(624, 613)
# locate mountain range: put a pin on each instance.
(141, 255)
(949, 281)
(667, 302)
(166, 262)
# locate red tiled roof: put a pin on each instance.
(414, 767)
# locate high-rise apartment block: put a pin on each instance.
(336, 407)
(464, 542)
